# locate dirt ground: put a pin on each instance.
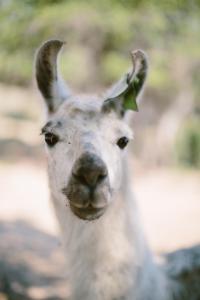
(31, 256)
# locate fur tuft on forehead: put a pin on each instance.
(82, 104)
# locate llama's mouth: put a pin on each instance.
(85, 202)
(88, 213)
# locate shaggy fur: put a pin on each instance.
(107, 258)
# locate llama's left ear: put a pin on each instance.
(124, 94)
(49, 80)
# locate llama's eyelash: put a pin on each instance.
(41, 132)
(44, 131)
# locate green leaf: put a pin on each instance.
(127, 91)
(130, 98)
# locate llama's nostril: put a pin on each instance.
(95, 177)
(91, 178)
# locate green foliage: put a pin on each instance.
(112, 65)
(188, 144)
(99, 34)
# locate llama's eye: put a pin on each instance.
(51, 139)
(122, 142)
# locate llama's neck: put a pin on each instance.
(108, 258)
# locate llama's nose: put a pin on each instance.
(90, 170)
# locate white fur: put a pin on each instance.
(104, 255)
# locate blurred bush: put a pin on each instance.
(99, 35)
(188, 144)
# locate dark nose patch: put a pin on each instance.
(90, 169)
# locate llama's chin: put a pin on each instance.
(88, 213)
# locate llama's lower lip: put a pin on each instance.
(88, 213)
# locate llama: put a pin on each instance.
(86, 142)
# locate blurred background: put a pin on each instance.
(166, 151)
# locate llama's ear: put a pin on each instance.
(124, 94)
(50, 82)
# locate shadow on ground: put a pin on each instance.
(31, 263)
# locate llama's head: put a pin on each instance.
(86, 136)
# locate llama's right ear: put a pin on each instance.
(49, 81)
(124, 94)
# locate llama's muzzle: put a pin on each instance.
(88, 189)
